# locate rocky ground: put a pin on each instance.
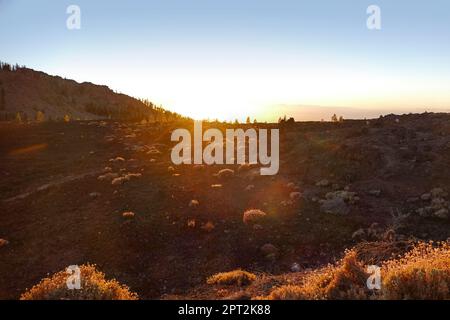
(107, 193)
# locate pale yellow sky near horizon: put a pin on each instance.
(308, 94)
(268, 97)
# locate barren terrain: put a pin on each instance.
(65, 187)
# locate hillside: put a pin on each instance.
(26, 92)
(106, 192)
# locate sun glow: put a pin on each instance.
(238, 93)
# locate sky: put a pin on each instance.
(229, 59)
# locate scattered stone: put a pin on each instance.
(292, 186)
(191, 223)
(244, 167)
(438, 206)
(286, 203)
(257, 227)
(130, 176)
(94, 195)
(335, 186)
(375, 193)
(412, 199)
(250, 187)
(438, 193)
(194, 203)
(323, 183)
(441, 213)
(170, 169)
(347, 196)
(108, 176)
(334, 206)
(199, 167)
(359, 234)
(119, 181)
(295, 196)
(117, 159)
(270, 251)
(295, 267)
(424, 212)
(216, 186)
(425, 197)
(208, 227)
(154, 151)
(438, 203)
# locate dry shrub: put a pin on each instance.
(108, 176)
(346, 280)
(374, 253)
(253, 216)
(128, 215)
(194, 203)
(94, 286)
(208, 226)
(3, 242)
(422, 273)
(225, 173)
(236, 277)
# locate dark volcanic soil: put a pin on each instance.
(55, 212)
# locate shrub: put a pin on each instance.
(40, 116)
(345, 280)
(94, 286)
(3, 242)
(253, 216)
(225, 173)
(236, 277)
(128, 215)
(289, 292)
(422, 273)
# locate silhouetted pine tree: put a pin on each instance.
(334, 118)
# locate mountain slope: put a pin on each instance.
(26, 91)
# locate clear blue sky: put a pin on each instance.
(224, 58)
